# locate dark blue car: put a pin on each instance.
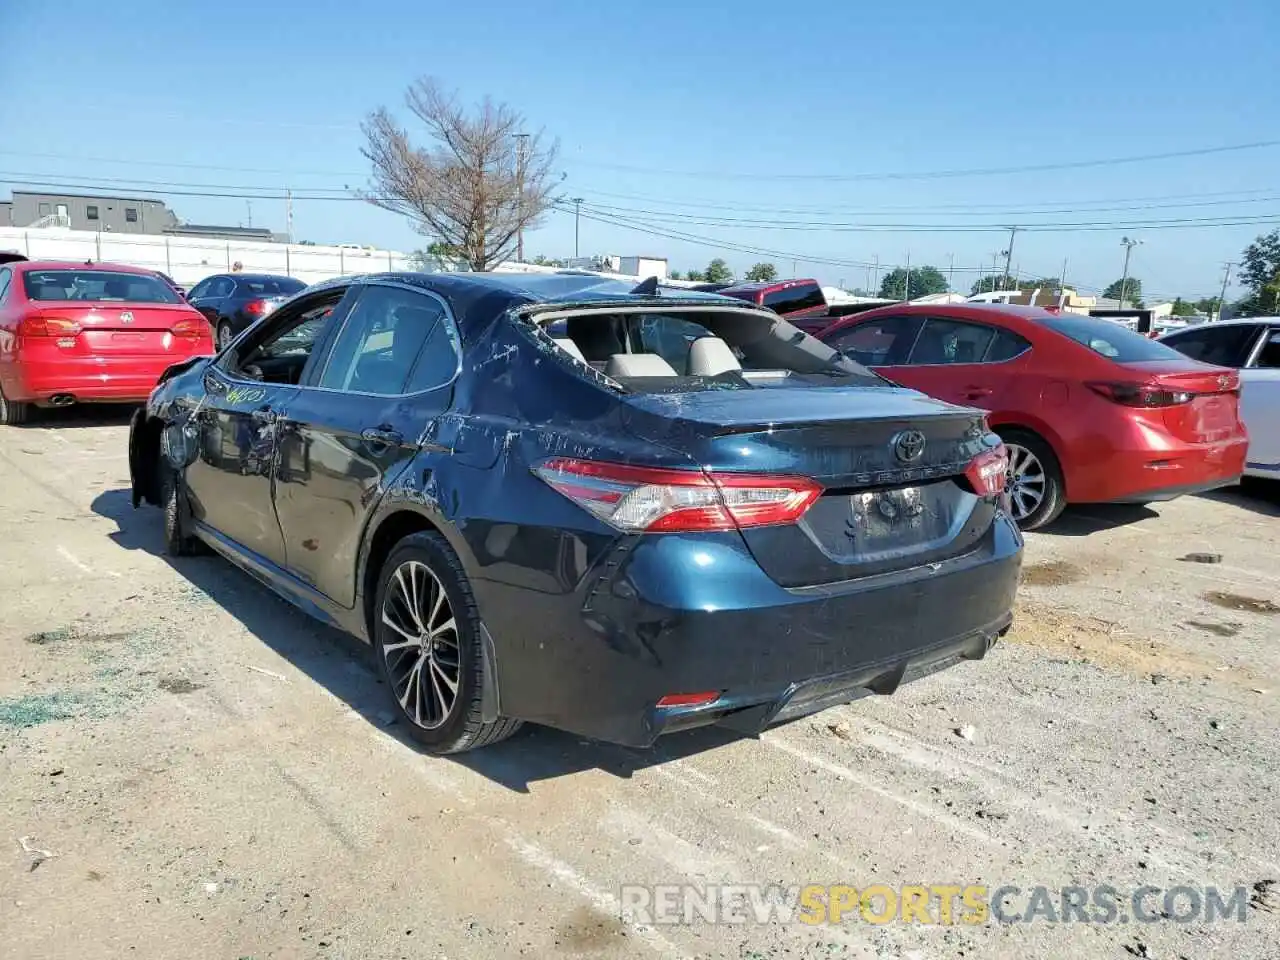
(555, 499)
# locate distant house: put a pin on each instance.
(81, 211)
(104, 213)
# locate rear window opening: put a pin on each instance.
(700, 348)
(97, 286)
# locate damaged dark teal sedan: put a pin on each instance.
(562, 500)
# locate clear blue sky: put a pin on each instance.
(272, 93)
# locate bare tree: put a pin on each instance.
(475, 186)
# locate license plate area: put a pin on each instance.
(869, 526)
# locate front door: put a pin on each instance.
(356, 424)
(949, 361)
(1260, 405)
(230, 482)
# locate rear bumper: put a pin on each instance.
(89, 379)
(686, 615)
(1141, 475)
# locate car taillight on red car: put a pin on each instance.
(986, 472)
(648, 500)
(1140, 394)
(191, 327)
(49, 327)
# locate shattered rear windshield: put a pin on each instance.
(692, 349)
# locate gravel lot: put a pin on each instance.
(213, 775)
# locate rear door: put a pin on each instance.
(1260, 405)
(356, 424)
(963, 362)
(209, 296)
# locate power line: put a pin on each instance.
(935, 174)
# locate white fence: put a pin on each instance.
(189, 260)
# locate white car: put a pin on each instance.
(1252, 346)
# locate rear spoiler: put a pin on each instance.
(12, 256)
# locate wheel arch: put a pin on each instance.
(1041, 429)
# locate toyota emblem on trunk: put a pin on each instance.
(126, 317)
(908, 446)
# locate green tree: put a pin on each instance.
(437, 257)
(993, 281)
(718, 272)
(1209, 306)
(925, 280)
(695, 275)
(1183, 308)
(674, 275)
(1132, 292)
(763, 271)
(1260, 264)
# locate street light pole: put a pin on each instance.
(1008, 255)
(577, 216)
(522, 142)
(1222, 297)
(1124, 279)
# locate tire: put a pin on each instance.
(1026, 451)
(13, 412)
(177, 515)
(423, 565)
(225, 336)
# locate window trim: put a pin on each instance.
(964, 321)
(1259, 345)
(6, 281)
(1021, 353)
(455, 340)
(222, 360)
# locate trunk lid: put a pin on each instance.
(887, 502)
(1213, 411)
(120, 329)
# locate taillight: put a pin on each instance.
(643, 499)
(256, 308)
(986, 472)
(1139, 394)
(191, 327)
(49, 327)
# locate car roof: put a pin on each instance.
(254, 276)
(975, 311)
(82, 265)
(1233, 322)
(755, 286)
(479, 297)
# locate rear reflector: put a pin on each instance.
(643, 499)
(49, 327)
(689, 699)
(1140, 394)
(986, 472)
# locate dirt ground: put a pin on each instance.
(191, 768)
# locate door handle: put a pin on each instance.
(382, 436)
(265, 415)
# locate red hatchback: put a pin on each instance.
(1090, 411)
(76, 333)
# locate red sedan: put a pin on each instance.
(78, 333)
(1089, 410)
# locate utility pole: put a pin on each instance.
(795, 268)
(249, 204)
(906, 286)
(1062, 284)
(577, 215)
(876, 284)
(288, 214)
(951, 271)
(995, 272)
(1124, 280)
(1222, 297)
(1008, 254)
(522, 141)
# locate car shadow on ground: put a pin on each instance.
(1080, 521)
(79, 416)
(1258, 496)
(345, 667)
